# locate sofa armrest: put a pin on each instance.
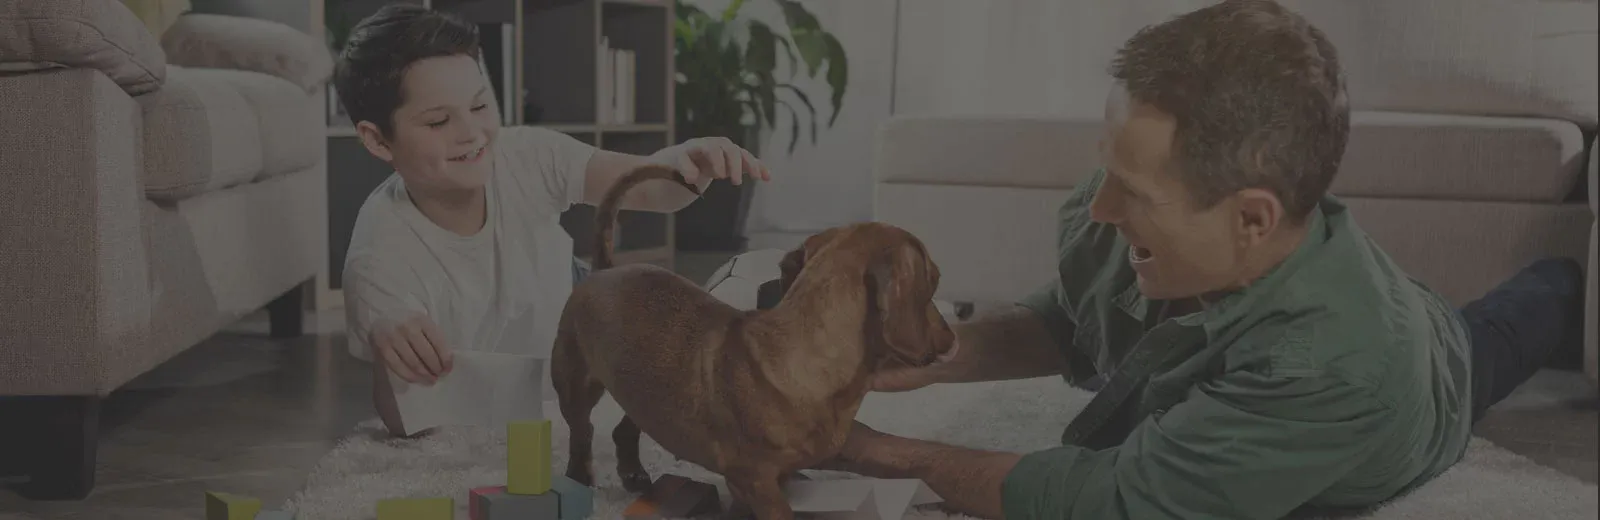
(75, 290)
(233, 42)
(101, 35)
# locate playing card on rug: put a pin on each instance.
(483, 389)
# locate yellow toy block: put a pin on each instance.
(228, 506)
(528, 457)
(440, 508)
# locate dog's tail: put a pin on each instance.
(606, 214)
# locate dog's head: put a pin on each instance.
(900, 280)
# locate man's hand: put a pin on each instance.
(414, 349)
(704, 159)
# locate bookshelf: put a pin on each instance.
(598, 70)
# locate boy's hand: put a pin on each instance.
(704, 159)
(414, 349)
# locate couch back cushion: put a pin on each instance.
(1390, 155)
(95, 34)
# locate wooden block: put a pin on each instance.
(228, 506)
(274, 515)
(497, 504)
(675, 496)
(437, 508)
(475, 509)
(577, 500)
(528, 457)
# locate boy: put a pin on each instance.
(464, 240)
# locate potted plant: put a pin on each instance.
(728, 85)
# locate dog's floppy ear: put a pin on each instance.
(789, 268)
(902, 289)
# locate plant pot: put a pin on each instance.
(716, 221)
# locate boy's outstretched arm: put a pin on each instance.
(701, 160)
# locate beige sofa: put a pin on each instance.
(1460, 201)
(155, 189)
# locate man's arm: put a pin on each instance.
(1245, 446)
(967, 480)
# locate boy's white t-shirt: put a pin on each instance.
(513, 275)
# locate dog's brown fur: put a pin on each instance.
(752, 395)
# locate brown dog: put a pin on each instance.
(752, 395)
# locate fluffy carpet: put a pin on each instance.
(1491, 483)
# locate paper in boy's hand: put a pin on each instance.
(858, 499)
(483, 389)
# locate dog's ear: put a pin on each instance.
(789, 268)
(901, 283)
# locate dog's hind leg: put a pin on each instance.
(629, 468)
(578, 391)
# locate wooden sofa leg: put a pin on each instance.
(56, 445)
(287, 313)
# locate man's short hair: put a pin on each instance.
(1258, 97)
(382, 46)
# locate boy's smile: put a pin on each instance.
(443, 129)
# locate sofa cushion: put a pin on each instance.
(1390, 155)
(231, 42)
(290, 121)
(95, 34)
(200, 134)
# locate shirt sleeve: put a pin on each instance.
(375, 295)
(1048, 305)
(548, 167)
(1245, 446)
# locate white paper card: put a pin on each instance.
(484, 389)
(858, 499)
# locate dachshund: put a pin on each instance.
(752, 395)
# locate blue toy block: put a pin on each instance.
(577, 500)
(274, 515)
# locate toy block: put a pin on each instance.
(475, 510)
(228, 506)
(528, 457)
(438, 508)
(577, 500)
(674, 496)
(497, 504)
(274, 515)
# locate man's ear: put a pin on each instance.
(1260, 213)
(373, 139)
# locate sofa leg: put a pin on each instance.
(55, 443)
(287, 313)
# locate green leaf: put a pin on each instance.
(798, 18)
(810, 109)
(761, 56)
(732, 10)
(788, 49)
(794, 128)
(813, 49)
(838, 75)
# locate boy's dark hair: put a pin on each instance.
(382, 46)
(1258, 97)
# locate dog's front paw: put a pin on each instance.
(635, 481)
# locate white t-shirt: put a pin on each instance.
(515, 273)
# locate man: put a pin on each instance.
(1263, 354)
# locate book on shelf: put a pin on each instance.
(617, 81)
(497, 58)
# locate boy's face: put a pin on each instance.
(444, 129)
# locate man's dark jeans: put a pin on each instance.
(1520, 324)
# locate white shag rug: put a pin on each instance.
(1492, 483)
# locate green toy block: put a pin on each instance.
(228, 506)
(528, 457)
(438, 508)
(577, 500)
(274, 515)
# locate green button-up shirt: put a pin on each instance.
(1335, 381)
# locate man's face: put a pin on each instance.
(1177, 249)
(444, 129)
